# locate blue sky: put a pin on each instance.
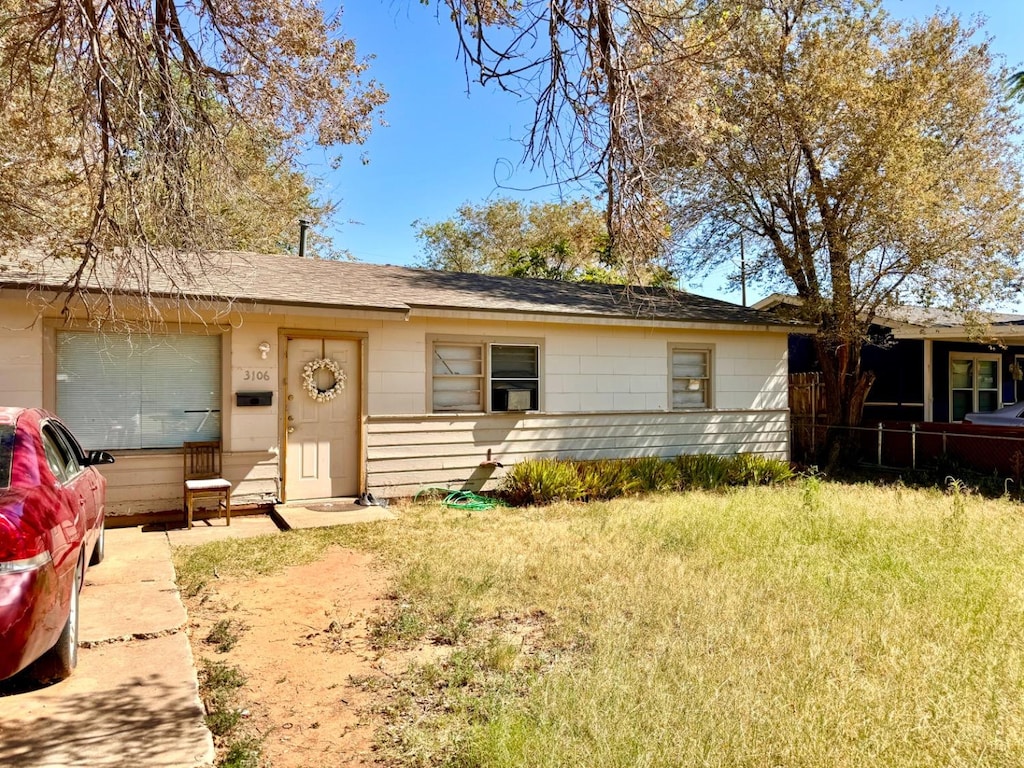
(444, 146)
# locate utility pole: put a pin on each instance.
(743, 272)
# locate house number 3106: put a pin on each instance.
(254, 374)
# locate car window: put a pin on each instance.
(69, 440)
(54, 457)
(59, 456)
(6, 454)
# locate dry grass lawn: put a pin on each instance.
(816, 624)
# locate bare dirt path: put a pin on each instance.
(304, 649)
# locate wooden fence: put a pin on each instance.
(807, 411)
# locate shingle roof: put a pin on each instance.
(930, 317)
(283, 279)
(924, 318)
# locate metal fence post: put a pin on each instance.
(879, 443)
(913, 446)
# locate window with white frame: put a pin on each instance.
(691, 377)
(477, 377)
(120, 391)
(973, 384)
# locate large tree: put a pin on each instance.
(149, 131)
(560, 241)
(864, 160)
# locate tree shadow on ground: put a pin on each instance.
(138, 721)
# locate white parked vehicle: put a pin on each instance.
(1007, 416)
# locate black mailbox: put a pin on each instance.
(244, 399)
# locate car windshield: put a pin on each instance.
(6, 454)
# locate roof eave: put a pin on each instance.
(596, 318)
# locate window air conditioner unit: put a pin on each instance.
(519, 399)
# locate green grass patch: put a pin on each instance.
(803, 625)
(219, 685)
(224, 635)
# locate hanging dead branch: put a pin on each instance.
(582, 63)
(135, 130)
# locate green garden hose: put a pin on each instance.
(461, 499)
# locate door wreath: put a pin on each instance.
(309, 372)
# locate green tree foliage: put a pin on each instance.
(149, 132)
(1016, 85)
(562, 241)
(860, 158)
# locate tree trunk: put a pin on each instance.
(846, 388)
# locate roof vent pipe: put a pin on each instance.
(303, 226)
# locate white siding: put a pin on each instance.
(604, 392)
(152, 481)
(249, 428)
(598, 368)
(21, 374)
(406, 455)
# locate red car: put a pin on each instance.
(51, 527)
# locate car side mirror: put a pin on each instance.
(99, 457)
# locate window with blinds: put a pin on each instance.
(458, 376)
(474, 378)
(691, 378)
(139, 391)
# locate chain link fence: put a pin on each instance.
(990, 451)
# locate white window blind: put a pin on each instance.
(691, 375)
(458, 377)
(462, 374)
(156, 391)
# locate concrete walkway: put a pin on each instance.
(134, 698)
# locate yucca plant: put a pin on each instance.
(651, 474)
(541, 481)
(752, 469)
(703, 470)
(605, 479)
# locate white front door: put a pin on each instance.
(322, 438)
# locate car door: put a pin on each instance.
(93, 484)
(76, 495)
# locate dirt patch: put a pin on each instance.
(305, 649)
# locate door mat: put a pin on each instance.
(340, 506)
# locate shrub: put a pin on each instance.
(605, 479)
(651, 474)
(705, 471)
(751, 469)
(541, 481)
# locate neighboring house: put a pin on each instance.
(435, 377)
(929, 365)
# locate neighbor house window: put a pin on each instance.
(139, 391)
(691, 378)
(481, 377)
(973, 384)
